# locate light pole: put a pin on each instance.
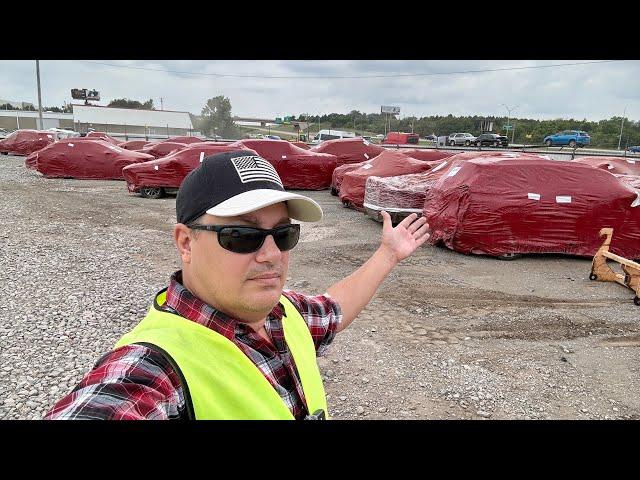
(509, 110)
(621, 125)
(39, 95)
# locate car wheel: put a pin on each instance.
(152, 192)
(509, 256)
(467, 143)
(494, 144)
(572, 143)
(548, 143)
(452, 143)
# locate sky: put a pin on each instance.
(592, 91)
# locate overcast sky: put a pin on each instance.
(593, 91)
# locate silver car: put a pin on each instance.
(461, 139)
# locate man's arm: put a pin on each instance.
(355, 291)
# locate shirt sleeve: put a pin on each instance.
(321, 313)
(132, 382)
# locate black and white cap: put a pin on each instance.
(238, 182)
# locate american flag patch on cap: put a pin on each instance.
(255, 169)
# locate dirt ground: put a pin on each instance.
(446, 336)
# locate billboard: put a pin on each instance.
(84, 94)
(390, 109)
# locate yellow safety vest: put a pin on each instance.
(219, 380)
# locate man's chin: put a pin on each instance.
(264, 298)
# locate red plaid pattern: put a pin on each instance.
(134, 382)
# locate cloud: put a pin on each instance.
(595, 91)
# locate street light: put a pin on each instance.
(509, 110)
(621, 124)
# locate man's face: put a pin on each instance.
(244, 285)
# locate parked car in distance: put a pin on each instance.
(461, 139)
(571, 138)
(491, 140)
(272, 137)
(431, 138)
(401, 138)
(635, 149)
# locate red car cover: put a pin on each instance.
(169, 171)
(183, 139)
(135, 144)
(349, 150)
(98, 160)
(499, 206)
(338, 175)
(406, 193)
(25, 142)
(632, 180)
(298, 168)
(162, 149)
(427, 155)
(388, 164)
(615, 165)
(301, 145)
(103, 136)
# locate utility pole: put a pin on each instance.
(621, 125)
(39, 94)
(509, 110)
(161, 105)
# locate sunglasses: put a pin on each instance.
(240, 239)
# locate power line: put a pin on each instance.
(312, 77)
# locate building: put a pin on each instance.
(123, 123)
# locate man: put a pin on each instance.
(224, 341)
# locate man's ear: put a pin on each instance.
(182, 239)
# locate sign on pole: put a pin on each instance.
(389, 109)
(508, 127)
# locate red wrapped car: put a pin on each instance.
(349, 150)
(388, 164)
(162, 149)
(183, 139)
(426, 154)
(25, 142)
(615, 165)
(135, 144)
(156, 178)
(103, 136)
(298, 168)
(502, 207)
(96, 160)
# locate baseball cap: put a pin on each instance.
(238, 182)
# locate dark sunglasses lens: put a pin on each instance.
(288, 237)
(240, 240)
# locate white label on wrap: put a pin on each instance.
(49, 136)
(155, 167)
(367, 166)
(610, 167)
(454, 171)
(439, 166)
(201, 156)
(630, 161)
(366, 156)
(70, 144)
(284, 156)
(636, 202)
(533, 196)
(366, 142)
(563, 199)
(115, 149)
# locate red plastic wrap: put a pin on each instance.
(405, 194)
(615, 165)
(97, 160)
(302, 145)
(388, 164)
(25, 142)
(169, 171)
(500, 206)
(135, 144)
(298, 168)
(338, 174)
(427, 155)
(349, 150)
(162, 149)
(103, 136)
(632, 180)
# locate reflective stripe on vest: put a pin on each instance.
(222, 381)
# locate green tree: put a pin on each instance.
(217, 119)
(126, 103)
(7, 106)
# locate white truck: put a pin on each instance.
(331, 135)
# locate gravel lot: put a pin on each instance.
(447, 335)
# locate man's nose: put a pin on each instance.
(269, 251)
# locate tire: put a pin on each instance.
(593, 276)
(509, 256)
(548, 143)
(152, 192)
(452, 143)
(334, 192)
(572, 143)
(636, 300)
(467, 143)
(494, 144)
